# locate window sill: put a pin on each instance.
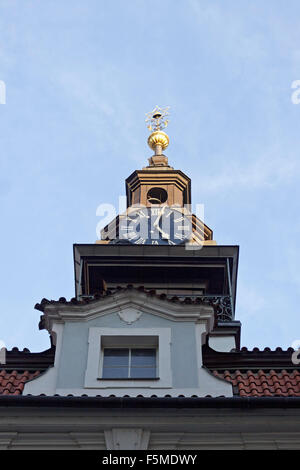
(130, 378)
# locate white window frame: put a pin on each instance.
(133, 336)
(129, 368)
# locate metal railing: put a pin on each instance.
(221, 303)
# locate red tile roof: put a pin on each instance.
(256, 384)
(252, 373)
(264, 384)
(12, 382)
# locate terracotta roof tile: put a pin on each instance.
(262, 383)
(12, 382)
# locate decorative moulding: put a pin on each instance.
(129, 315)
(124, 302)
(127, 439)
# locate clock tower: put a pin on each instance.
(158, 200)
(158, 243)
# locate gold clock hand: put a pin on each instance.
(159, 216)
(156, 222)
(164, 234)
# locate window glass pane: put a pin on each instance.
(143, 357)
(115, 373)
(140, 372)
(116, 362)
(116, 357)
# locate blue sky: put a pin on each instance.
(80, 77)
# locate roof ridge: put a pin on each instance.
(104, 294)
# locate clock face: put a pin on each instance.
(162, 225)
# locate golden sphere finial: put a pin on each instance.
(158, 140)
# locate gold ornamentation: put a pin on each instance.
(158, 138)
(157, 118)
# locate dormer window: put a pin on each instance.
(129, 358)
(129, 363)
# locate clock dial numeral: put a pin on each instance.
(155, 211)
(142, 215)
(140, 241)
(131, 235)
(180, 236)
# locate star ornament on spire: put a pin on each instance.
(157, 118)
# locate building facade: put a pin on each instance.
(147, 354)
